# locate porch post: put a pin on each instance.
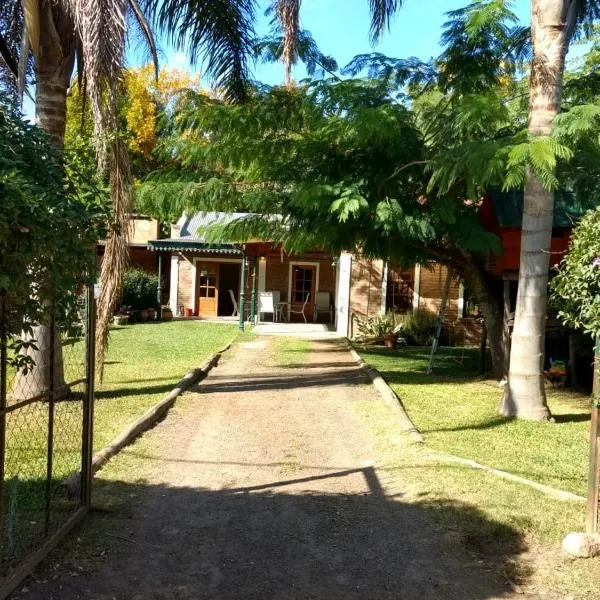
(253, 301)
(243, 294)
(159, 289)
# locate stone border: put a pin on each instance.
(540, 487)
(145, 422)
(389, 396)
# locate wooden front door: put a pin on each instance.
(304, 279)
(208, 289)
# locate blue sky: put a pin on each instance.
(341, 29)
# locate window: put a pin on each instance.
(303, 283)
(400, 285)
(208, 282)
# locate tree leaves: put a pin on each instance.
(576, 287)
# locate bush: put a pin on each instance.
(375, 328)
(418, 328)
(48, 230)
(139, 289)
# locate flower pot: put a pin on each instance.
(121, 320)
(167, 314)
(390, 340)
(143, 315)
(188, 312)
(151, 313)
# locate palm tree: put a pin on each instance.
(59, 35)
(553, 24)
(294, 42)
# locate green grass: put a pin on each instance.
(144, 362)
(456, 412)
(142, 365)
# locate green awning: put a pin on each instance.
(185, 245)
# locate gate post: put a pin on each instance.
(88, 402)
(3, 375)
(594, 473)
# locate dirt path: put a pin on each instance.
(263, 484)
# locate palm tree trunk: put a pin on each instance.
(552, 23)
(54, 66)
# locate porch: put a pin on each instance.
(213, 282)
(302, 330)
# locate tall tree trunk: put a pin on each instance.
(491, 307)
(552, 23)
(54, 67)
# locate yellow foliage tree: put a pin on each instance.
(146, 96)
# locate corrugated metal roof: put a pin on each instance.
(191, 223)
(508, 207)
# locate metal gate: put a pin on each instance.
(46, 425)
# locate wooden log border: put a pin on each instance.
(389, 396)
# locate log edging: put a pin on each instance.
(389, 396)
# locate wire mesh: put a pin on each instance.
(43, 413)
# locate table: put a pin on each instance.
(283, 309)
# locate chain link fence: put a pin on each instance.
(46, 412)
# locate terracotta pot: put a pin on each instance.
(390, 340)
(167, 314)
(188, 312)
(121, 319)
(151, 312)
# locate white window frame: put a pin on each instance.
(302, 263)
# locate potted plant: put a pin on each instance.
(121, 319)
(167, 313)
(381, 328)
(151, 314)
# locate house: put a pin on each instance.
(207, 278)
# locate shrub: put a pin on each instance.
(139, 289)
(418, 328)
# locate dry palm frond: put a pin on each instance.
(101, 28)
(288, 15)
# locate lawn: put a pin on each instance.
(144, 362)
(456, 412)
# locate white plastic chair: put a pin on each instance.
(323, 305)
(267, 303)
(236, 310)
(301, 310)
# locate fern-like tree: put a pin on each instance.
(350, 165)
